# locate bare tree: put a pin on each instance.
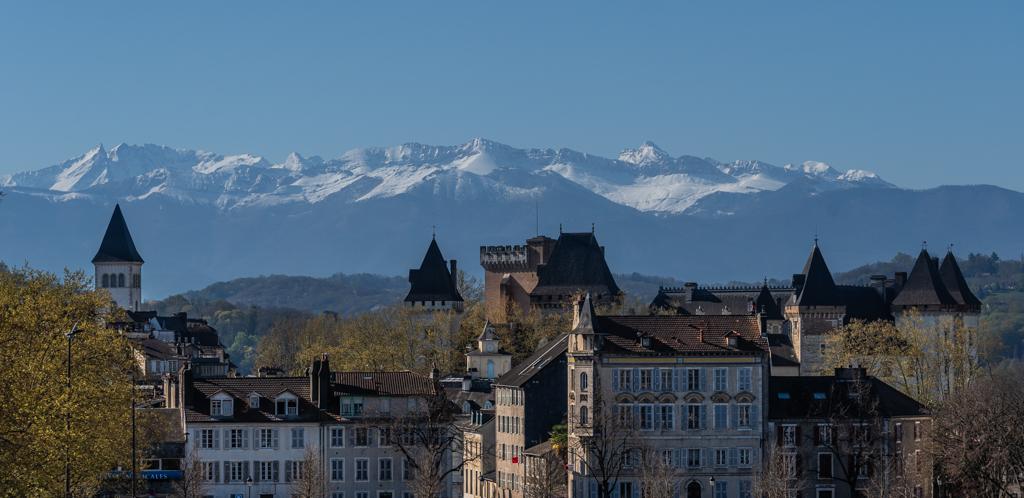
(778, 478)
(978, 445)
(427, 438)
(605, 445)
(193, 481)
(657, 473)
(308, 478)
(545, 475)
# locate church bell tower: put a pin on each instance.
(118, 264)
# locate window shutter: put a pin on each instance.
(275, 471)
(833, 429)
(799, 440)
(216, 439)
(276, 438)
(635, 381)
(246, 470)
(256, 471)
(615, 380)
(227, 438)
(656, 381)
(703, 416)
(703, 457)
(733, 457)
(288, 471)
(675, 458)
(799, 465)
(369, 436)
(778, 435)
(817, 435)
(675, 380)
(227, 472)
(755, 421)
(734, 412)
(704, 380)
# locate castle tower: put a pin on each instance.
(813, 311)
(118, 264)
(434, 285)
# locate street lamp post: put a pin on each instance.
(67, 419)
(712, 481)
(248, 486)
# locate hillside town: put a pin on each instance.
(709, 391)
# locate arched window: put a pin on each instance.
(137, 280)
(583, 415)
(120, 280)
(583, 381)
(106, 281)
(490, 369)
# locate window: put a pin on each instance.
(824, 465)
(745, 456)
(583, 416)
(362, 470)
(721, 379)
(743, 415)
(268, 438)
(362, 494)
(266, 471)
(917, 431)
(666, 418)
(744, 383)
(721, 414)
(286, 406)
(211, 471)
(362, 435)
(721, 457)
(106, 281)
(298, 437)
(789, 463)
(625, 379)
(338, 494)
(221, 407)
(236, 471)
(745, 489)
(721, 489)
(897, 432)
(583, 381)
(646, 379)
(625, 489)
(294, 470)
(826, 493)
(693, 413)
(207, 439)
(254, 401)
(238, 438)
(337, 437)
(337, 469)
(789, 435)
(646, 417)
(351, 406)
(383, 469)
(693, 379)
(384, 437)
(407, 470)
(666, 379)
(693, 458)
(824, 434)
(120, 279)
(385, 494)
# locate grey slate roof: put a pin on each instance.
(818, 288)
(924, 286)
(955, 283)
(402, 383)
(433, 280)
(802, 404)
(522, 373)
(239, 388)
(117, 245)
(577, 263)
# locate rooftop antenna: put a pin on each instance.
(536, 210)
(815, 236)
(559, 229)
(591, 227)
(433, 230)
(924, 245)
(950, 248)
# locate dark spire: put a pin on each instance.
(117, 245)
(924, 286)
(955, 283)
(818, 289)
(765, 303)
(433, 280)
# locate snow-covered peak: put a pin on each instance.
(218, 164)
(813, 168)
(646, 154)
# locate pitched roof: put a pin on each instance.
(402, 383)
(117, 245)
(524, 371)
(818, 288)
(488, 333)
(239, 388)
(766, 304)
(576, 263)
(675, 334)
(433, 280)
(955, 283)
(924, 286)
(827, 396)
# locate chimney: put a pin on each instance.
(688, 289)
(901, 278)
(455, 273)
(324, 382)
(185, 385)
(435, 374)
(878, 283)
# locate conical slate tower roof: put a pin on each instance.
(117, 245)
(819, 289)
(766, 304)
(924, 286)
(433, 280)
(955, 283)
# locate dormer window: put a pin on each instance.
(254, 400)
(286, 405)
(222, 405)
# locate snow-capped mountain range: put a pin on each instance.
(645, 178)
(201, 217)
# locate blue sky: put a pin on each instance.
(924, 93)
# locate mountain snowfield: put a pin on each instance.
(645, 178)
